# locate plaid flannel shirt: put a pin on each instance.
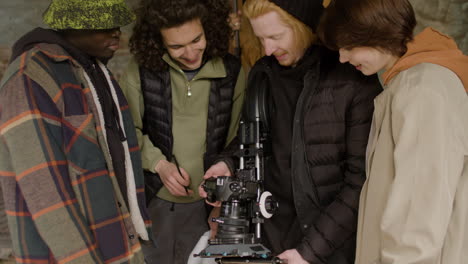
(61, 196)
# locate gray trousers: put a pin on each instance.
(177, 227)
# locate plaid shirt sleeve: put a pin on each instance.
(44, 213)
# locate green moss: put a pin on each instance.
(86, 14)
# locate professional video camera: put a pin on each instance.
(244, 204)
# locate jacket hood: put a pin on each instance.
(431, 46)
(41, 35)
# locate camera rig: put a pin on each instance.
(244, 204)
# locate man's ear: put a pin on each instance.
(326, 3)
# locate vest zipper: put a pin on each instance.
(189, 89)
(188, 83)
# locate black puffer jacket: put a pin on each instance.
(319, 191)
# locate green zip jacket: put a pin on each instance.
(189, 114)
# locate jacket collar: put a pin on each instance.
(53, 45)
(431, 46)
(212, 69)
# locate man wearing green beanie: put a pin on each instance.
(69, 157)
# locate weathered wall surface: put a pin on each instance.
(451, 16)
(448, 16)
(19, 16)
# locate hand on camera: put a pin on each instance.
(218, 169)
(234, 20)
(291, 256)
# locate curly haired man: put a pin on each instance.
(185, 93)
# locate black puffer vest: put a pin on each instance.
(157, 120)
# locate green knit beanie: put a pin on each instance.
(87, 14)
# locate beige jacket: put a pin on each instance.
(414, 204)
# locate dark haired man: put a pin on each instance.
(185, 93)
(69, 160)
(320, 113)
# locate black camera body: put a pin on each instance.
(226, 189)
(244, 204)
